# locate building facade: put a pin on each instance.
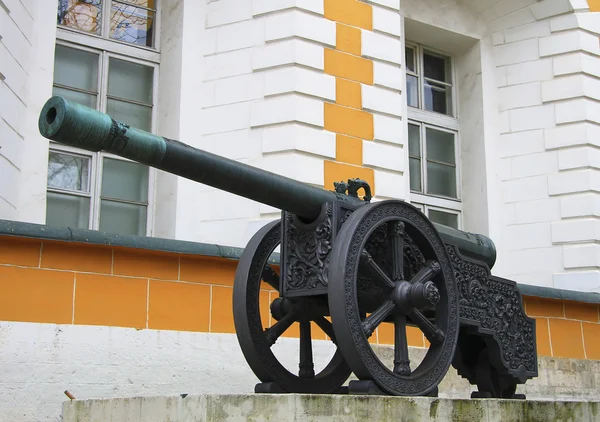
(483, 113)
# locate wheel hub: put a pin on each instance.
(407, 296)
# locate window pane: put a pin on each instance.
(412, 91)
(116, 217)
(438, 98)
(88, 100)
(124, 180)
(410, 59)
(415, 174)
(441, 180)
(84, 16)
(437, 67)
(130, 81)
(134, 115)
(76, 68)
(440, 146)
(414, 140)
(66, 171)
(445, 218)
(132, 24)
(67, 210)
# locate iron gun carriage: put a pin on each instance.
(347, 265)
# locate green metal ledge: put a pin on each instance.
(67, 234)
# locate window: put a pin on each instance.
(433, 139)
(91, 190)
(129, 21)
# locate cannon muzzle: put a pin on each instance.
(74, 124)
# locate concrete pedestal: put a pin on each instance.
(325, 408)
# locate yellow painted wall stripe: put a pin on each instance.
(348, 39)
(348, 149)
(348, 66)
(334, 172)
(350, 12)
(348, 121)
(348, 93)
(594, 5)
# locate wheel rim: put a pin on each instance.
(256, 342)
(399, 299)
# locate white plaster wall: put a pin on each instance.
(26, 56)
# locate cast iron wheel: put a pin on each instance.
(256, 342)
(427, 299)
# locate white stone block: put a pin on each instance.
(384, 156)
(267, 6)
(518, 52)
(14, 75)
(576, 181)
(505, 7)
(241, 144)
(295, 23)
(564, 22)
(527, 236)
(532, 118)
(571, 87)
(209, 41)
(223, 12)
(547, 8)
(490, 15)
(534, 164)
(579, 5)
(288, 52)
(584, 205)
(589, 22)
(500, 75)
(514, 19)
(9, 173)
(382, 47)
(576, 63)
(572, 135)
(388, 129)
(581, 256)
(526, 189)
(577, 111)
(582, 157)
(21, 17)
(207, 94)
(12, 109)
(14, 40)
(521, 143)
(293, 79)
(504, 169)
(498, 38)
(524, 95)
(392, 4)
(567, 42)
(579, 230)
(302, 167)
(387, 75)
(528, 31)
(239, 88)
(388, 21)
(225, 118)
(287, 108)
(231, 207)
(231, 63)
(240, 35)
(504, 122)
(390, 184)
(542, 260)
(297, 137)
(582, 281)
(536, 70)
(11, 144)
(382, 100)
(537, 211)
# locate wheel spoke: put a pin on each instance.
(374, 271)
(377, 317)
(430, 270)
(307, 369)
(433, 333)
(270, 277)
(396, 229)
(274, 332)
(401, 360)
(327, 328)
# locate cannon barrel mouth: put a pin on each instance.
(52, 117)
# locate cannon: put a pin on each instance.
(347, 265)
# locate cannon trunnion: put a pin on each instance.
(347, 266)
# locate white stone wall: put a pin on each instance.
(26, 56)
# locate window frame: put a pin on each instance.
(105, 29)
(107, 49)
(447, 123)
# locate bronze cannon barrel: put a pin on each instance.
(74, 124)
